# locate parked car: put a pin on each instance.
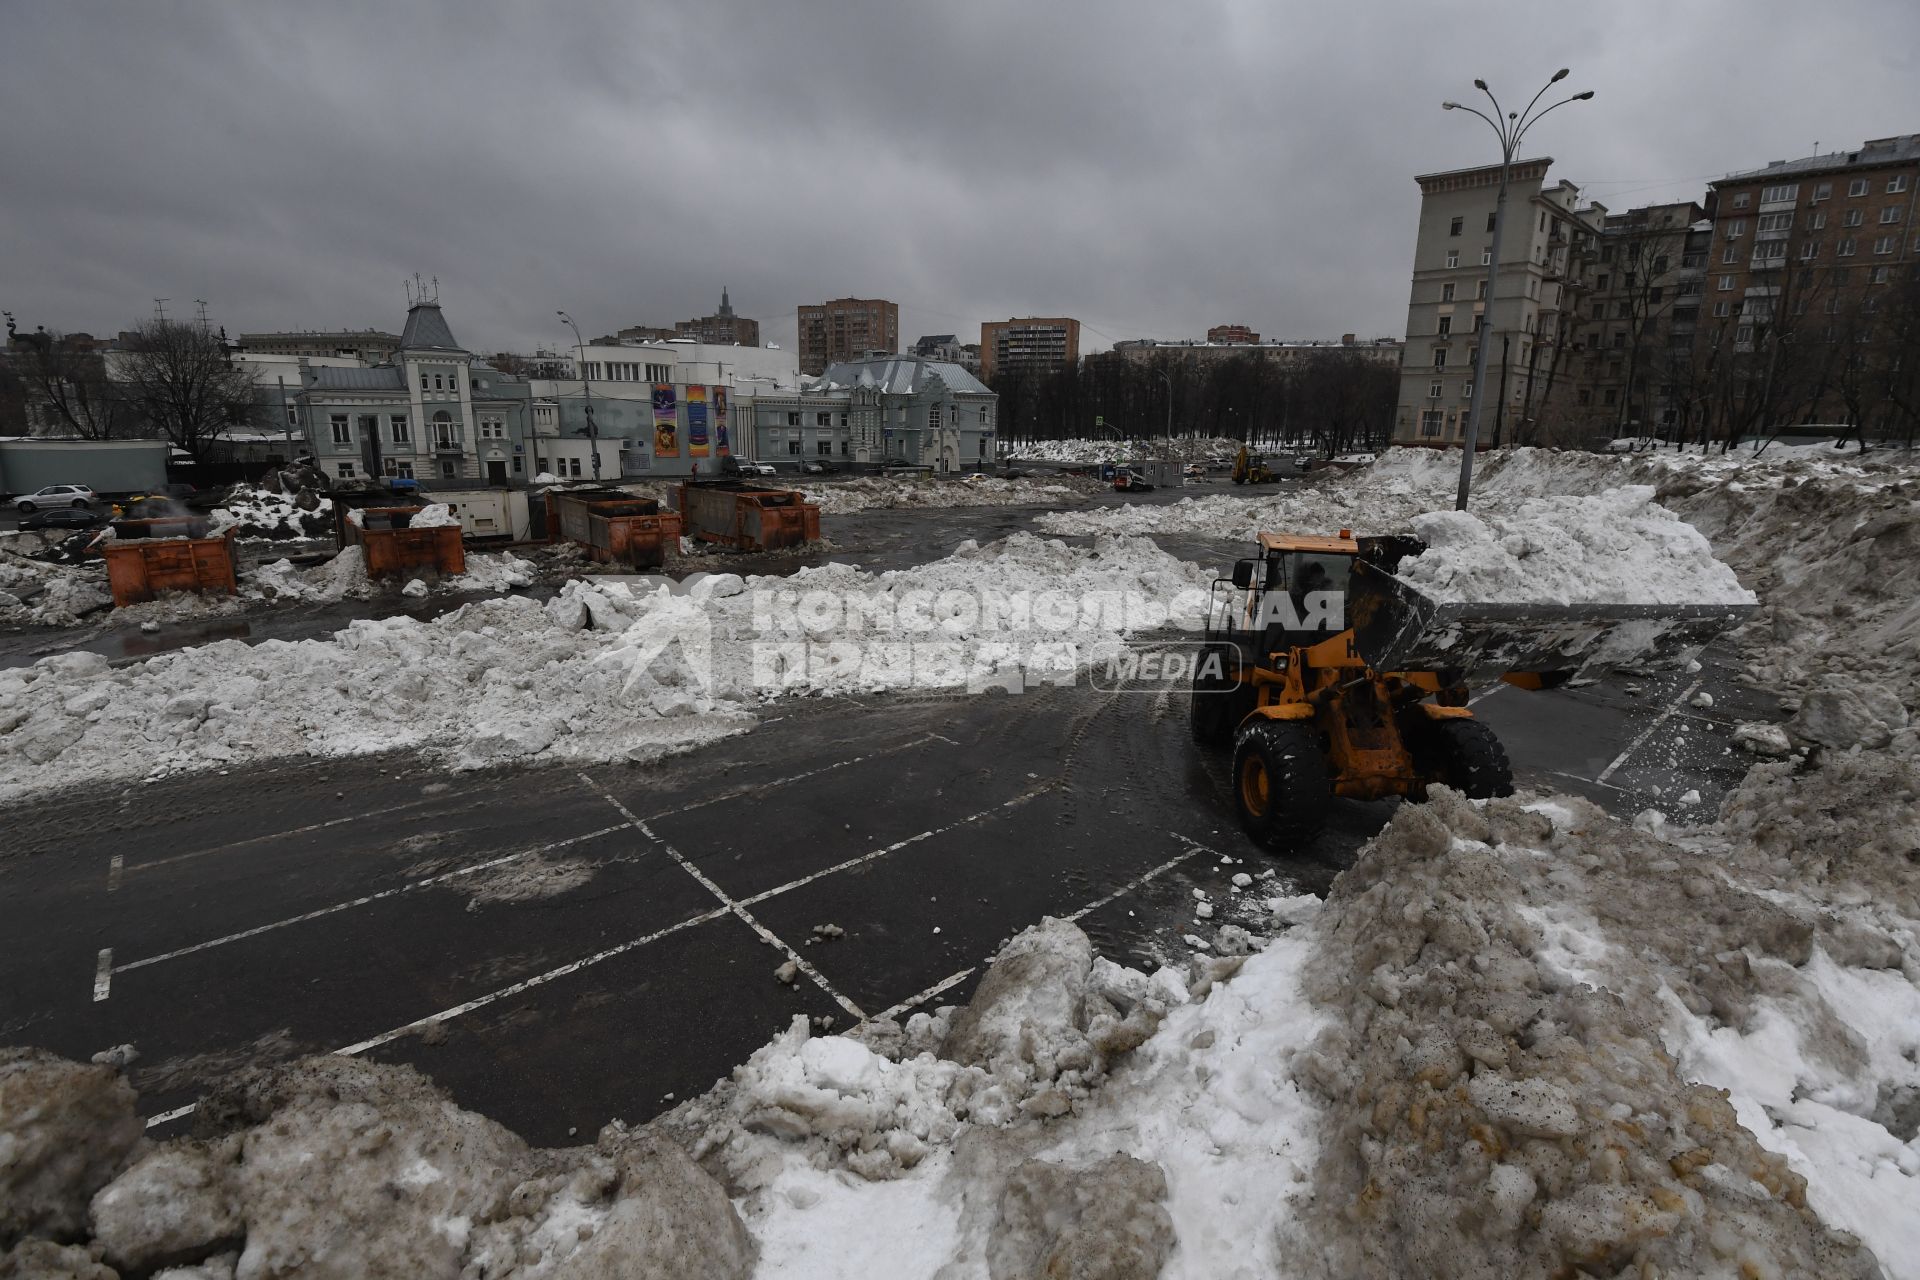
(732, 466)
(815, 467)
(54, 495)
(80, 517)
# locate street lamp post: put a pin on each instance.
(586, 390)
(1510, 128)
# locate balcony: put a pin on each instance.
(447, 442)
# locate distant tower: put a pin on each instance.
(726, 307)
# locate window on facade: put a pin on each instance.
(342, 433)
(1585, 397)
(1440, 358)
(445, 434)
(1466, 392)
(1819, 220)
(1846, 248)
(1486, 256)
(1897, 183)
(1773, 195)
(1446, 326)
(1430, 420)
(793, 418)
(1435, 390)
(1655, 294)
(1490, 218)
(1721, 310)
(1809, 250)
(519, 464)
(344, 470)
(1740, 201)
(1773, 222)
(1621, 310)
(1854, 218)
(793, 446)
(1730, 254)
(843, 419)
(1453, 228)
(1890, 214)
(1479, 288)
(846, 447)
(423, 380)
(1599, 311)
(1743, 333)
(1619, 337)
(1453, 257)
(400, 470)
(1726, 284)
(449, 469)
(1878, 275)
(1446, 292)
(1823, 191)
(823, 419)
(1884, 244)
(437, 383)
(1858, 187)
(1610, 397)
(824, 448)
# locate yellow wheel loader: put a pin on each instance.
(1251, 468)
(1329, 676)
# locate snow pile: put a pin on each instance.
(268, 513)
(1616, 547)
(342, 578)
(434, 515)
(333, 1167)
(65, 1129)
(1080, 449)
(502, 572)
(887, 493)
(37, 593)
(1506, 983)
(603, 671)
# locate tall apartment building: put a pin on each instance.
(722, 328)
(846, 329)
(1542, 275)
(1232, 333)
(1633, 338)
(1803, 254)
(1035, 344)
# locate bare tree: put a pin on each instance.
(181, 379)
(66, 387)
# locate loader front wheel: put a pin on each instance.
(1280, 784)
(1216, 701)
(1465, 755)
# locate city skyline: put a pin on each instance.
(278, 164)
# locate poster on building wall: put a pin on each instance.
(666, 431)
(696, 422)
(721, 445)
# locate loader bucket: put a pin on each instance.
(1397, 627)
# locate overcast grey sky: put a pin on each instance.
(1148, 168)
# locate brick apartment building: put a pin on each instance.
(846, 329)
(1034, 344)
(1235, 334)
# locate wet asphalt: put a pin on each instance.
(561, 946)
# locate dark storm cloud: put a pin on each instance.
(1150, 169)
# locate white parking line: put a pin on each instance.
(1648, 732)
(790, 779)
(103, 974)
(952, 980)
(282, 835)
(745, 916)
(364, 899)
(1145, 876)
(895, 847)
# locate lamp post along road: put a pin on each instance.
(586, 390)
(1510, 128)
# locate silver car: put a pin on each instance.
(54, 495)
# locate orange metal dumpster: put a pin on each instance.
(392, 548)
(615, 527)
(140, 567)
(747, 517)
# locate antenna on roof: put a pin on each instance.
(201, 304)
(160, 309)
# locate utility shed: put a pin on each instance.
(105, 466)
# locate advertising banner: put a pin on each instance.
(696, 422)
(666, 431)
(721, 444)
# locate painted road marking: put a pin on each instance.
(745, 916)
(895, 847)
(363, 900)
(1487, 692)
(945, 983)
(103, 974)
(282, 835)
(481, 1002)
(1648, 732)
(1145, 876)
(790, 779)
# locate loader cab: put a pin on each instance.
(1294, 591)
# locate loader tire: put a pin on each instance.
(1280, 784)
(1214, 707)
(1465, 755)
